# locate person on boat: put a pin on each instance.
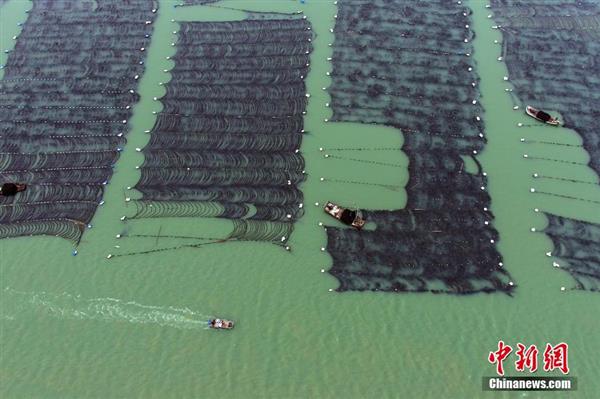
(11, 189)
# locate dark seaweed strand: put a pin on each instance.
(409, 65)
(578, 244)
(552, 52)
(226, 143)
(65, 98)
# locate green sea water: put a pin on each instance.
(133, 326)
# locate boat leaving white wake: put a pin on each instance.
(74, 307)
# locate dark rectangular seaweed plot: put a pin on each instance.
(578, 243)
(232, 124)
(409, 65)
(552, 51)
(65, 98)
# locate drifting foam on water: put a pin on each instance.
(74, 307)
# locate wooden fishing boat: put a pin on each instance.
(220, 324)
(541, 116)
(346, 216)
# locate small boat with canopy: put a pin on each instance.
(542, 116)
(220, 324)
(346, 216)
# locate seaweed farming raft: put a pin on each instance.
(552, 52)
(66, 96)
(409, 65)
(226, 143)
(577, 243)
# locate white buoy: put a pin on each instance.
(499, 58)
(322, 179)
(127, 199)
(506, 78)
(535, 175)
(108, 256)
(320, 223)
(322, 270)
(331, 290)
(525, 156)
(533, 229)
(287, 248)
(516, 107)
(500, 264)
(536, 210)
(288, 216)
(511, 283)
(322, 248)
(532, 190)
(562, 288)
(123, 217)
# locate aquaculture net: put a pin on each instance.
(65, 98)
(552, 52)
(226, 143)
(409, 65)
(578, 243)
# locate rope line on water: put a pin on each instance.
(364, 149)
(557, 160)
(367, 161)
(566, 179)
(393, 187)
(567, 197)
